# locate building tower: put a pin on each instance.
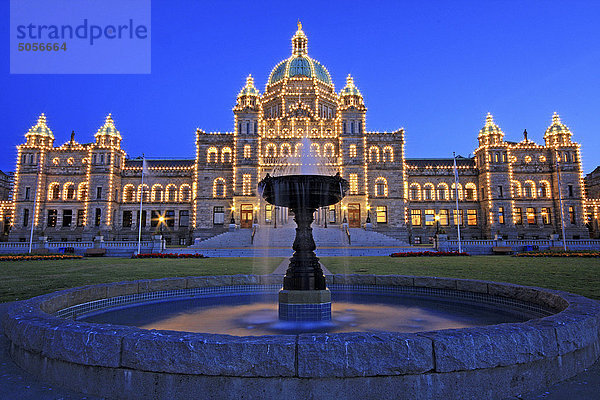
(30, 180)
(494, 184)
(104, 178)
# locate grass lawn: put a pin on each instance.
(24, 279)
(577, 275)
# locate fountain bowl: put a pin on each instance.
(115, 361)
(303, 191)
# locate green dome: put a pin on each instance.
(299, 65)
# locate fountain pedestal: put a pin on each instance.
(304, 296)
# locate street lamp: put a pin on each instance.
(437, 224)
(345, 220)
(275, 212)
(161, 221)
(368, 221)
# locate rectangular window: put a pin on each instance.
(67, 218)
(546, 216)
(268, 213)
(415, 217)
(247, 151)
(353, 184)
(80, 217)
(352, 148)
(142, 220)
(381, 214)
(98, 217)
(99, 192)
(570, 190)
(127, 219)
(25, 217)
(184, 218)
(27, 193)
(429, 217)
(154, 217)
(441, 193)
(52, 218)
(518, 215)
(332, 214)
(572, 215)
(501, 215)
(170, 218)
(444, 218)
(500, 191)
(458, 219)
(531, 215)
(246, 184)
(471, 217)
(218, 215)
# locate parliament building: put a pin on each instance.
(517, 189)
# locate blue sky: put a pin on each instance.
(435, 68)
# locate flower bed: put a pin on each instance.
(574, 254)
(168, 255)
(40, 257)
(428, 254)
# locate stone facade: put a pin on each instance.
(507, 188)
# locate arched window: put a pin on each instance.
(54, 191)
(298, 149)
(185, 193)
(144, 192)
(414, 192)
(69, 191)
(529, 189)
(212, 155)
(219, 189)
(171, 192)
(315, 149)
(471, 191)
(226, 155)
(270, 150)
(328, 150)
(453, 191)
(381, 187)
(442, 191)
(82, 191)
(544, 189)
(286, 150)
(373, 154)
(157, 192)
(428, 192)
(128, 193)
(388, 154)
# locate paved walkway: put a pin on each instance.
(16, 384)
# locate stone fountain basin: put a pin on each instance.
(303, 191)
(491, 362)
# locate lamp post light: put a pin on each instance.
(368, 221)
(275, 218)
(326, 215)
(344, 220)
(437, 224)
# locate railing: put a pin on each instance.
(79, 245)
(347, 231)
(16, 245)
(124, 244)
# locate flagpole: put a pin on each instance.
(141, 201)
(562, 215)
(458, 216)
(37, 186)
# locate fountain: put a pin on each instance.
(304, 296)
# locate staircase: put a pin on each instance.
(268, 237)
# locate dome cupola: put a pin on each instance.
(490, 134)
(557, 133)
(248, 96)
(40, 134)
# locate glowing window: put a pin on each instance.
(353, 184)
(531, 219)
(246, 184)
(247, 151)
(226, 155)
(415, 217)
(352, 151)
(212, 155)
(381, 214)
(219, 189)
